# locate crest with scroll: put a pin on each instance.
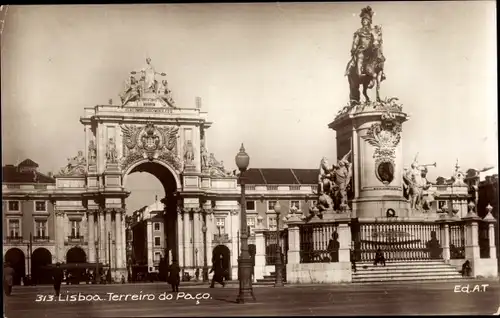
(149, 142)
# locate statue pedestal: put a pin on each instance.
(373, 132)
(190, 168)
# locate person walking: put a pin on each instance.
(57, 277)
(219, 274)
(174, 278)
(8, 278)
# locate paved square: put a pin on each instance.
(375, 299)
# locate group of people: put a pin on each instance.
(174, 274)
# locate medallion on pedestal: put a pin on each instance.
(385, 137)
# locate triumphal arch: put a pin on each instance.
(145, 132)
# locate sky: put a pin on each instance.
(270, 75)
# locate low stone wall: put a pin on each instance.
(484, 267)
(319, 273)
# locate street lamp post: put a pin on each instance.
(245, 262)
(205, 266)
(277, 264)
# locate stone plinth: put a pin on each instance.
(373, 131)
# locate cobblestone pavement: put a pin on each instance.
(156, 300)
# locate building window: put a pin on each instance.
(157, 226)
(270, 205)
(75, 229)
(13, 205)
(14, 228)
(251, 224)
(41, 229)
(271, 223)
(441, 205)
(250, 205)
(40, 206)
(296, 203)
(157, 257)
(157, 241)
(221, 225)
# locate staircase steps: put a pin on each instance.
(405, 271)
(267, 280)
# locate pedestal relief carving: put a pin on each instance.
(384, 136)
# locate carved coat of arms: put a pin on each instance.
(150, 142)
(384, 136)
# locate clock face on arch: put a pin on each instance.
(385, 172)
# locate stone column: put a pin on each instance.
(118, 240)
(493, 249)
(471, 236)
(188, 246)
(445, 237)
(260, 254)
(59, 236)
(491, 231)
(180, 238)
(235, 241)
(90, 237)
(102, 238)
(109, 244)
(124, 241)
(150, 243)
(197, 240)
(293, 241)
(344, 232)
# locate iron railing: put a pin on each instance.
(43, 238)
(271, 246)
(319, 243)
(398, 241)
(457, 240)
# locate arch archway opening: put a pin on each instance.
(76, 255)
(222, 254)
(151, 181)
(16, 258)
(40, 261)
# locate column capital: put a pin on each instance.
(59, 212)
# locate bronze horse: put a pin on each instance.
(373, 70)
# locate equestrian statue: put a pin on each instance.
(366, 67)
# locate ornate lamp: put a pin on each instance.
(278, 265)
(245, 262)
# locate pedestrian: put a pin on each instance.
(379, 257)
(57, 277)
(466, 269)
(174, 277)
(353, 260)
(8, 278)
(219, 273)
(333, 248)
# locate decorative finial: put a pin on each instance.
(471, 206)
(366, 13)
(489, 208)
(242, 148)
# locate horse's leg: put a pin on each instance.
(379, 79)
(353, 88)
(365, 87)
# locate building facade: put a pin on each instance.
(28, 219)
